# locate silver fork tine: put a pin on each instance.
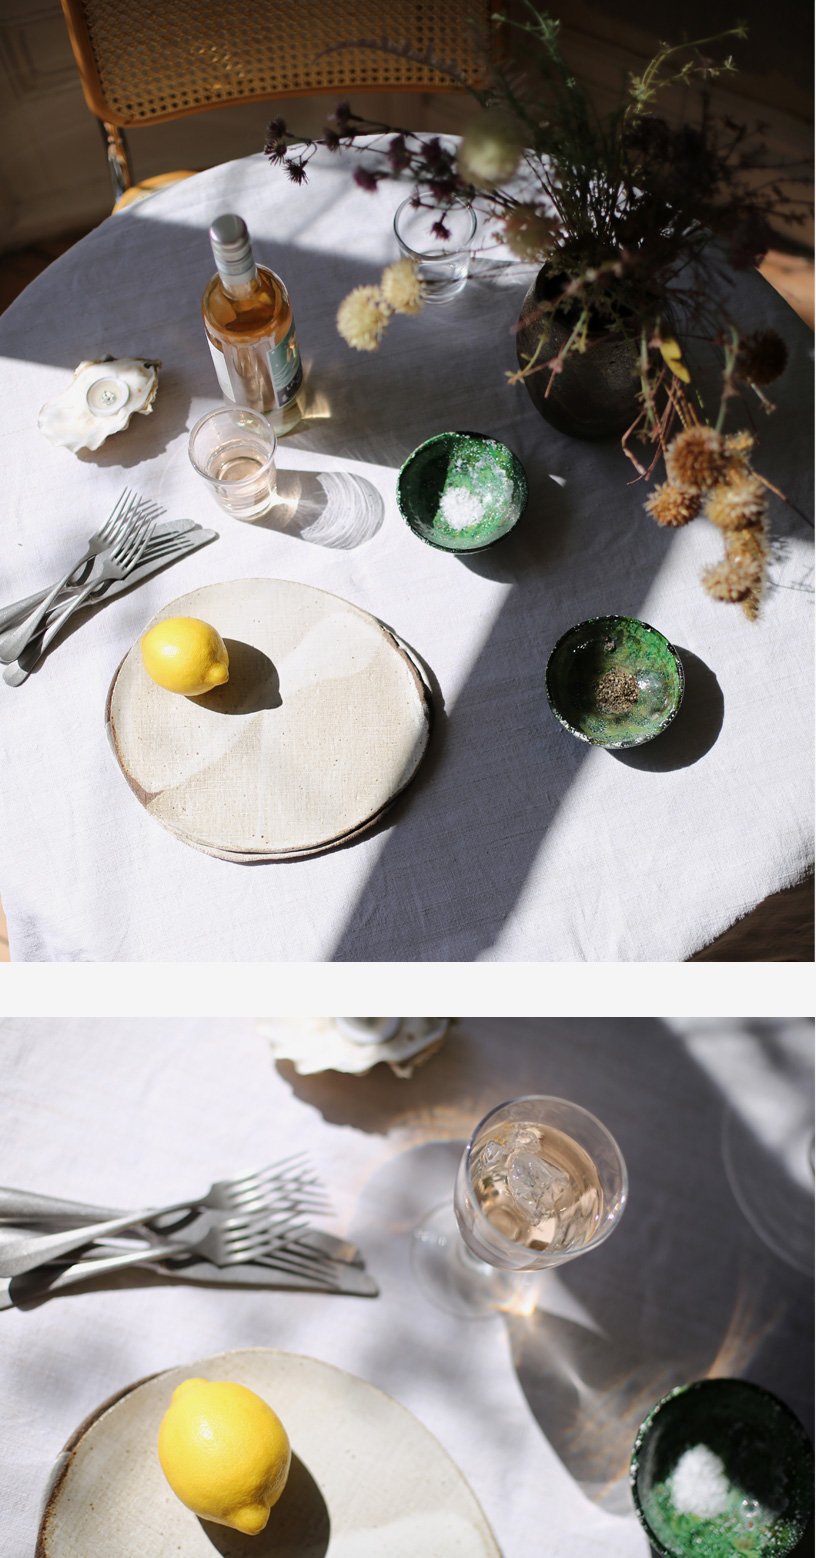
(295, 1256)
(242, 1244)
(129, 549)
(309, 1200)
(117, 516)
(280, 1182)
(271, 1170)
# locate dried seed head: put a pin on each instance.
(738, 503)
(672, 506)
(740, 577)
(725, 583)
(695, 460)
(747, 551)
(762, 357)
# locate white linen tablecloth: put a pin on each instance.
(516, 841)
(538, 1411)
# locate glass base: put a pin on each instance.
(457, 1281)
(773, 1182)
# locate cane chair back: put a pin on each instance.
(143, 61)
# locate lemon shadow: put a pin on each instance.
(299, 1525)
(253, 682)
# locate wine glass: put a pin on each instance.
(540, 1182)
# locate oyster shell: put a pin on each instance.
(323, 1044)
(101, 398)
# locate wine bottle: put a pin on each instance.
(250, 329)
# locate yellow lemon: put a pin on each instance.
(225, 1453)
(185, 655)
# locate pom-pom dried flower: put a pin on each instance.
(362, 318)
(490, 150)
(402, 288)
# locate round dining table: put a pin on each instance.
(537, 1404)
(515, 841)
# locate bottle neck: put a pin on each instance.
(239, 285)
(232, 252)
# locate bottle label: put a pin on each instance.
(221, 370)
(285, 367)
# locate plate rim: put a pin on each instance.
(66, 1455)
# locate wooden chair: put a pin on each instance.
(143, 61)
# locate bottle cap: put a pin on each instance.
(231, 247)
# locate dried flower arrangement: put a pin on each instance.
(637, 222)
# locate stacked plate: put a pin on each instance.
(325, 719)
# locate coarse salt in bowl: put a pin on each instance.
(462, 492)
(721, 1468)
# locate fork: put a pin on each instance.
(126, 512)
(226, 1242)
(224, 1195)
(122, 559)
(251, 1191)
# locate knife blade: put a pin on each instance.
(42, 1283)
(351, 1280)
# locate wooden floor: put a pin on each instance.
(779, 931)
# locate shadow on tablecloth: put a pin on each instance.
(684, 1288)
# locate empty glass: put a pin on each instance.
(233, 448)
(540, 1182)
(443, 263)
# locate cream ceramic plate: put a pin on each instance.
(367, 1480)
(324, 721)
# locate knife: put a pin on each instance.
(40, 1284)
(166, 530)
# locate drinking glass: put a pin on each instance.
(442, 262)
(233, 448)
(540, 1182)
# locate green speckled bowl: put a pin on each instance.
(480, 483)
(768, 1463)
(602, 644)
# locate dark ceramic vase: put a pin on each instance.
(595, 394)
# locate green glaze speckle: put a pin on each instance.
(768, 1464)
(588, 652)
(487, 475)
